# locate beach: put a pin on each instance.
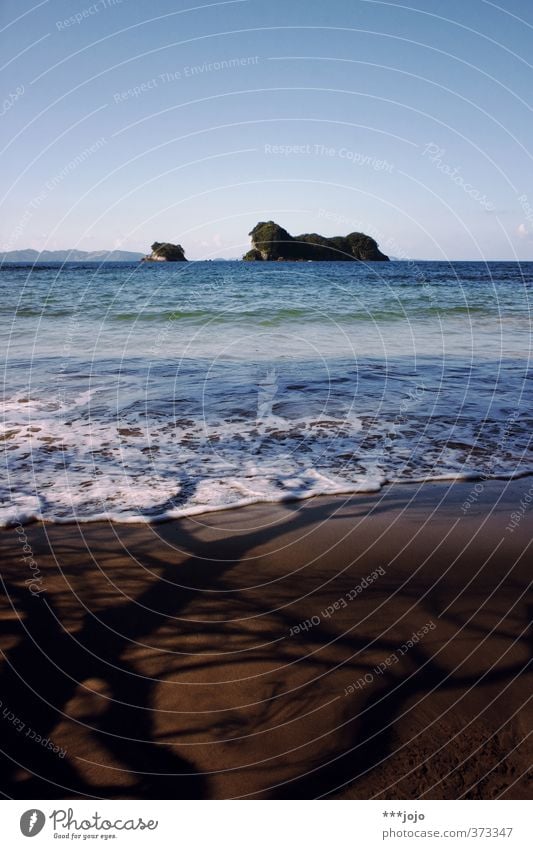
(370, 646)
(266, 502)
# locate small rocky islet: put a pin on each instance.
(165, 252)
(272, 243)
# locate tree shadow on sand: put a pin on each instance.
(43, 668)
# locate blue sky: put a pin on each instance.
(128, 122)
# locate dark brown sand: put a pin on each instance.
(164, 661)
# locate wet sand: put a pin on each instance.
(367, 647)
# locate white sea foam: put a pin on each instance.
(90, 458)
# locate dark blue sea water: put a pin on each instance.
(153, 390)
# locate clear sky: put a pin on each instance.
(126, 121)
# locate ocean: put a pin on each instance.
(148, 391)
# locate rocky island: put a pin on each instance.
(271, 242)
(165, 252)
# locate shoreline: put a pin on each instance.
(204, 510)
(370, 646)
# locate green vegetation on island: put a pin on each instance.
(165, 252)
(271, 242)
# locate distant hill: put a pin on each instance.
(29, 255)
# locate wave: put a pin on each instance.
(28, 513)
(260, 317)
(83, 458)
